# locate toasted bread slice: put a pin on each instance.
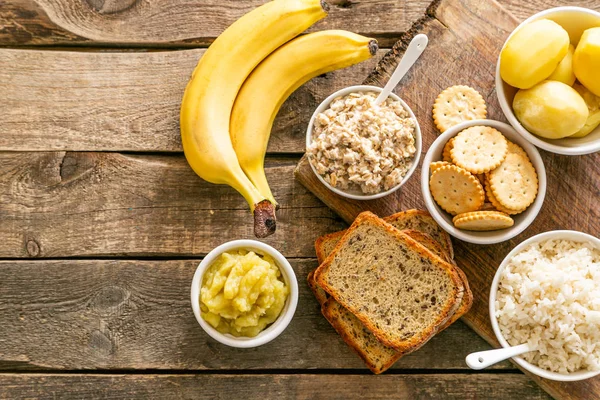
(400, 290)
(375, 355)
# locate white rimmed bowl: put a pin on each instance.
(357, 194)
(566, 235)
(277, 327)
(575, 20)
(522, 221)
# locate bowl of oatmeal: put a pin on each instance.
(360, 150)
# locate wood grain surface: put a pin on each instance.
(153, 23)
(467, 54)
(260, 387)
(74, 187)
(93, 101)
(76, 204)
(136, 314)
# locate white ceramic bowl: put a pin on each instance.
(522, 221)
(357, 194)
(276, 327)
(567, 235)
(575, 20)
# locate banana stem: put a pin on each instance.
(257, 176)
(265, 221)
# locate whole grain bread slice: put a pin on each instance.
(376, 356)
(400, 291)
(325, 244)
(417, 219)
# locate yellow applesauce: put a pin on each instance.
(242, 293)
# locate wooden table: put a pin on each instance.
(103, 223)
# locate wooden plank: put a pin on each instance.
(130, 314)
(163, 23)
(259, 387)
(525, 9)
(467, 54)
(69, 204)
(56, 100)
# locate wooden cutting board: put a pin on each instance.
(465, 37)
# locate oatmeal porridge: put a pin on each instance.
(358, 145)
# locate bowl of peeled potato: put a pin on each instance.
(548, 80)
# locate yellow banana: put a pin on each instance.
(216, 80)
(272, 82)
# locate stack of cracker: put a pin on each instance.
(370, 297)
(483, 178)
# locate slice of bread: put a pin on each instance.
(375, 355)
(324, 245)
(416, 220)
(397, 288)
(422, 221)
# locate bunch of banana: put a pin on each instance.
(208, 111)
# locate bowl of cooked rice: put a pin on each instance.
(546, 293)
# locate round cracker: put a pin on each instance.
(514, 183)
(479, 149)
(446, 151)
(437, 164)
(456, 190)
(490, 196)
(483, 221)
(457, 104)
(515, 148)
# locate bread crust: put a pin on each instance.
(446, 243)
(321, 242)
(319, 293)
(418, 339)
(465, 304)
(333, 319)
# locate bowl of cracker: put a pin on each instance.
(483, 182)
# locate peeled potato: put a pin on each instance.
(551, 109)
(564, 71)
(586, 60)
(533, 53)
(593, 104)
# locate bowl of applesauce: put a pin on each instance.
(244, 293)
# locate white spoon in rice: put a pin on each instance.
(483, 359)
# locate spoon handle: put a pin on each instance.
(412, 53)
(483, 359)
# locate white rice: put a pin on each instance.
(549, 297)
